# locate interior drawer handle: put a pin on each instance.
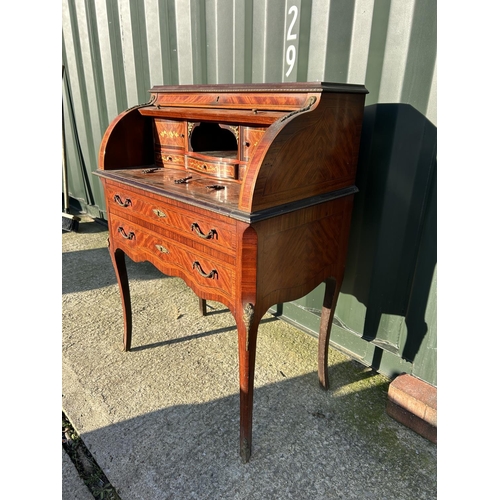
(211, 234)
(184, 180)
(212, 274)
(127, 236)
(125, 203)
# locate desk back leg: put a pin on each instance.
(329, 303)
(118, 259)
(203, 306)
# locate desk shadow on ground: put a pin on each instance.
(217, 331)
(308, 443)
(91, 268)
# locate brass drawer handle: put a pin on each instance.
(212, 274)
(211, 234)
(127, 236)
(162, 249)
(158, 212)
(125, 203)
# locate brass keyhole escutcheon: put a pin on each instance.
(159, 213)
(162, 249)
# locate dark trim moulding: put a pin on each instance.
(265, 87)
(249, 218)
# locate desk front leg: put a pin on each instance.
(247, 313)
(118, 260)
(247, 321)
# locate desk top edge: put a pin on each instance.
(231, 211)
(264, 87)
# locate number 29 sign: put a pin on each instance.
(291, 43)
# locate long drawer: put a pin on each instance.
(198, 269)
(194, 224)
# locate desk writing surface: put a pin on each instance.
(195, 190)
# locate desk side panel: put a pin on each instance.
(313, 153)
(127, 142)
(298, 251)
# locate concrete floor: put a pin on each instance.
(162, 420)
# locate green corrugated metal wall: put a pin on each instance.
(114, 51)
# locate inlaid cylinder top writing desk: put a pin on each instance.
(243, 191)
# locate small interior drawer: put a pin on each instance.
(219, 169)
(170, 133)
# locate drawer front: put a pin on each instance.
(166, 158)
(124, 232)
(196, 268)
(170, 133)
(220, 170)
(250, 140)
(201, 228)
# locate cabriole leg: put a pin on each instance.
(248, 324)
(118, 259)
(329, 303)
